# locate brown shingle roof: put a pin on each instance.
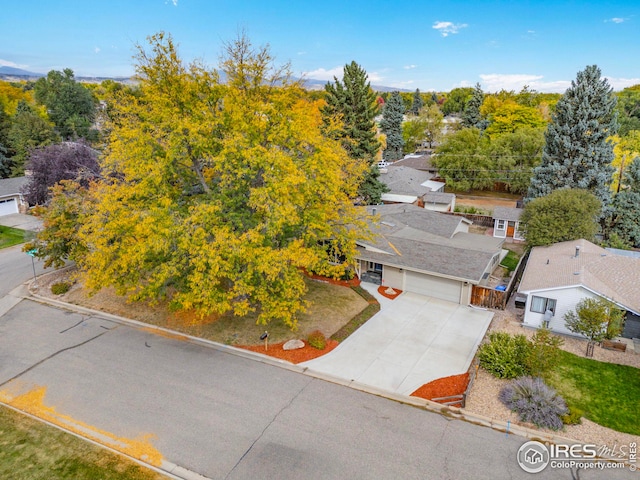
(613, 276)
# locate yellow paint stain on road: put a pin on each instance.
(33, 402)
(164, 333)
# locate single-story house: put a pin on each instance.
(426, 252)
(11, 199)
(506, 223)
(410, 186)
(557, 277)
(418, 161)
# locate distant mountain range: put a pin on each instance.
(12, 73)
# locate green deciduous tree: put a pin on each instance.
(565, 214)
(391, 126)
(434, 123)
(217, 195)
(577, 153)
(456, 100)
(463, 162)
(70, 105)
(348, 116)
(597, 319)
(28, 131)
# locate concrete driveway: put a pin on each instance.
(413, 340)
(23, 222)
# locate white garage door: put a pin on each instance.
(8, 206)
(437, 287)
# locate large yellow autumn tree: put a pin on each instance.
(219, 193)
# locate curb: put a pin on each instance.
(453, 413)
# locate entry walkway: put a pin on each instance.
(413, 340)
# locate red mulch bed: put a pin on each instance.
(383, 291)
(443, 387)
(354, 282)
(294, 356)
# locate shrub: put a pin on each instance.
(60, 288)
(574, 417)
(535, 402)
(543, 352)
(317, 340)
(505, 355)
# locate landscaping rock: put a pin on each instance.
(293, 345)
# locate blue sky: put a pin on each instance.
(430, 45)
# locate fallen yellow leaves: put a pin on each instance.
(33, 402)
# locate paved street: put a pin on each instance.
(223, 415)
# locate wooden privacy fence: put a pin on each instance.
(482, 220)
(492, 298)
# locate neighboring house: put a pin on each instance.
(426, 252)
(410, 186)
(557, 277)
(11, 199)
(506, 223)
(419, 161)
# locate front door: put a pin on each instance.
(511, 228)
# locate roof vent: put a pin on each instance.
(576, 273)
(577, 251)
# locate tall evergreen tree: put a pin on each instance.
(577, 153)
(348, 116)
(624, 222)
(391, 126)
(471, 116)
(417, 104)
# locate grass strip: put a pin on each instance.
(361, 318)
(11, 236)
(31, 450)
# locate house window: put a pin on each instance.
(541, 305)
(500, 225)
(375, 267)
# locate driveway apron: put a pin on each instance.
(413, 340)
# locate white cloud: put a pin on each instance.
(495, 82)
(448, 28)
(616, 20)
(620, 83)
(322, 74)
(96, 50)
(7, 63)
(173, 2)
(410, 67)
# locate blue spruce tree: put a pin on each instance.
(577, 153)
(391, 126)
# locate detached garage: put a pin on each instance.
(11, 200)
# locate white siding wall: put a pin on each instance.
(566, 300)
(392, 277)
(500, 232)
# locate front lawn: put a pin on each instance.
(33, 450)
(10, 236)
(607, 393)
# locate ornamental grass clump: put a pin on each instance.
(317, 340)
(535, 402)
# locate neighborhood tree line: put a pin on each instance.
(218, 195)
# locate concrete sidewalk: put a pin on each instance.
(413, 340)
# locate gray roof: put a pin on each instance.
(410, 237)
(615, 277)
(511, 214)
(12, 186)
(405, 180)
(419, 162)
(439, 197)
